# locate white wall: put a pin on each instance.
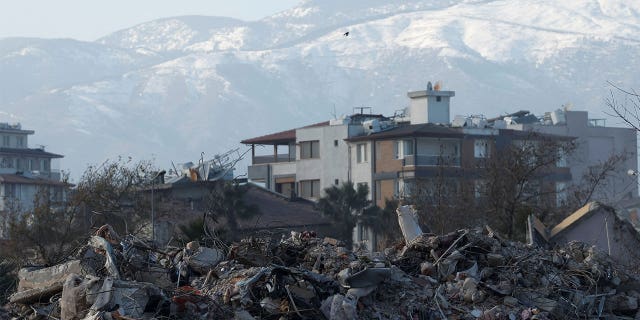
(333, 161)
(361, 172)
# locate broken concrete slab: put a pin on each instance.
(36, 285)
(203, 259)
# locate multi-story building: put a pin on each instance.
(24, 172)
(596, 144)
(391, 154)
(307, 160)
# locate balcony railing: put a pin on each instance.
(422, 160)
(272, 159)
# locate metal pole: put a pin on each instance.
(153, 215)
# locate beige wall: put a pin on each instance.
(385, 161)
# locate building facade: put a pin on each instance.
(596, 144)
(24, 172)
(394, 155)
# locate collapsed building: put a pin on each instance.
(467, 274)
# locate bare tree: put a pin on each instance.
(626, 107)
(502, 190)
(52, 228)
(594, 182)
(518, 181)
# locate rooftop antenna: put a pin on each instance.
(362, 109)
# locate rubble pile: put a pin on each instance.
(468, 274)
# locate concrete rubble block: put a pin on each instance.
(495, 259)
(106, 249)
(622, 303)
(332, 241)
(368, 277)
(510, 301)
(243, 315)
(408, 221)
(204, 259)
(541, 302)
(40, 284)
(427, 268)
(90, 295)
(332, 309)
(74, 303)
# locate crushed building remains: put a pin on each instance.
(467, 274)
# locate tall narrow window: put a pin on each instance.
(6, 141)
(362, 152)
(481, 148)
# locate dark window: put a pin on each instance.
(335, 143)
(310, 188)
(309, 149)
(438, 99)
(335, 182)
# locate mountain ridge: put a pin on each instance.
(170, 90)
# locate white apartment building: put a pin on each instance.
(24, 172)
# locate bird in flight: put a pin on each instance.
(346, 34)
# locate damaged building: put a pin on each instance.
(594, 224)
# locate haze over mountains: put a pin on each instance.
(172, 88)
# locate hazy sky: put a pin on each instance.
(92, 19)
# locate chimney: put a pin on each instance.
(430, 106)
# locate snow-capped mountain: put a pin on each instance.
(175, 87)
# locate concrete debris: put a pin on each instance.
(468, 274)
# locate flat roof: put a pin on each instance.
(439, 131)
(435, 93)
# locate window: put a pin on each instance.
(403, 188)
(12, 190)
(19, 164)
(29, 164)
(403, 148)
(562, 158)
(336, 182)
(309, 149)
(47, 165)
(561, 193)
(481, 148)
(378, 190)
(438, 98)
(6, 141)
(361, 152)
(480, 189)
(20, 141)
(310, 189)
(335, 143)
(6, 163)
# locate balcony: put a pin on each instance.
(273, 159)
(265, 171)
(427, 160)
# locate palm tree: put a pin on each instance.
(346, 205)
(227, 202)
